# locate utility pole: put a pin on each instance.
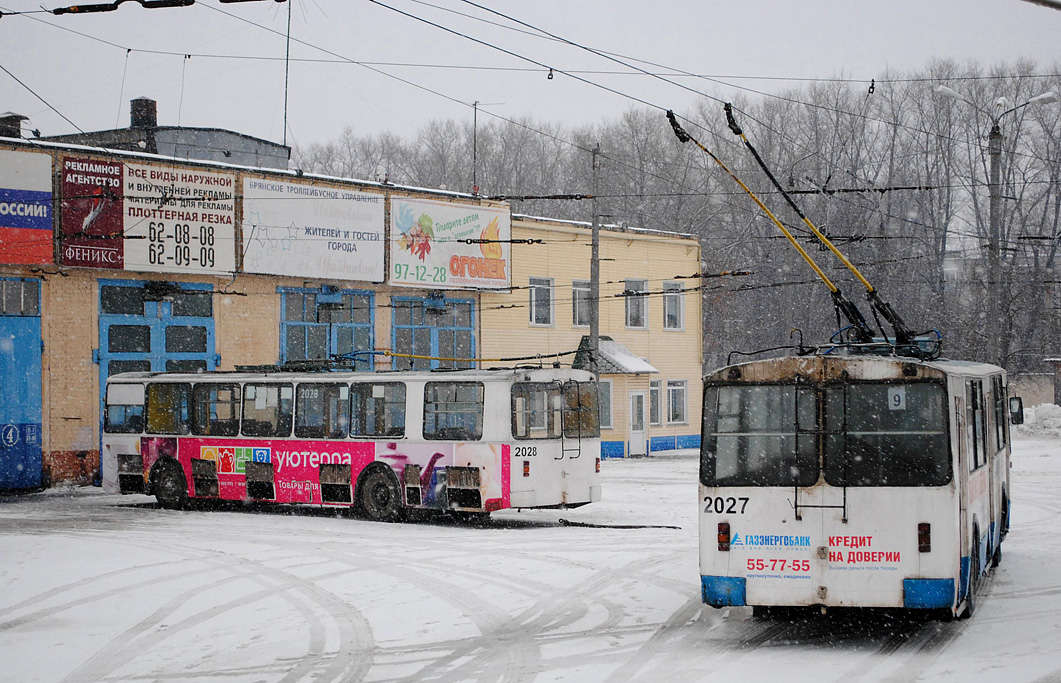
(994, 256)
(594, 275)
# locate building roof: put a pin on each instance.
(615, 359)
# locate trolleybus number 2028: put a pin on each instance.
(725, 506)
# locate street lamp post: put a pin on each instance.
(994, 227)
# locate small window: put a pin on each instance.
(453, 411)
(197, 303)
(168, 408)
(121, 300)
(181, 339)
(604, 394)
(129, 339)
(125, 409)
(267, 409)
(322, 411)
(580, 303)
(676, 402)
(215, 409)
(673, 306)
(654, 402)
(537, 410)
(541, 301)
(378, 409)
(636, 313)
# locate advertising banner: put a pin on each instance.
(92, 220)
(25, 208)
(445, 245)
(179, 220)
(312, 231)
(147, 218)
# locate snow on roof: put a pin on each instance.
(614, 358)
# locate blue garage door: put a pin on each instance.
(20, 377)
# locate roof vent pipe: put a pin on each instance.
(143, 113)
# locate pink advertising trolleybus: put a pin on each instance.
(468, 442)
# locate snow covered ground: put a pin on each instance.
(97, 587)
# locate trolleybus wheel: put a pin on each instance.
(379, 496)
(974, 577)
(171, 490)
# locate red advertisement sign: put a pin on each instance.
(92, 213)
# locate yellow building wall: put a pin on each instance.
(564, 256)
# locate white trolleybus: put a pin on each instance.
(468, 442)
(841, 479)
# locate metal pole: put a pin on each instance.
(594, 275)
(287, 67)
(475, 147)
(994, 261)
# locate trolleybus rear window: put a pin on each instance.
(886, 435)
(759, 435)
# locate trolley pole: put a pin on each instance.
(594, 276)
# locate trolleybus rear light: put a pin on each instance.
(526, 468)
(598, 465)
(924, 537)
(723, 536)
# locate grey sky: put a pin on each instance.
(91, 82)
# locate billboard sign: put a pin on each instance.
(312, 231)
(147, 217)
(447, 245)
(25, 207)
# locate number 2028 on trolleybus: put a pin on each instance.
(838, 480)
(469, 442)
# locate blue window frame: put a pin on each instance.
(324, 323)
(435, 326)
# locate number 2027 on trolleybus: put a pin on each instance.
(467, 442)
(838, 480)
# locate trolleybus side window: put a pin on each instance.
(215, 409)
(759, 435)
(453, 411)
(125, 409)
(536, 410)
(322, 411)
(378, 409)
(879, 434)
(581, 417)
(974, 390)
(168, 408)
(998, 392)
(267, 409)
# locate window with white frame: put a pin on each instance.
(604, 393)
(676, 401)
(636, 304)
(541, 301)
(580, 303)
(673, 306)
(653, 402)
